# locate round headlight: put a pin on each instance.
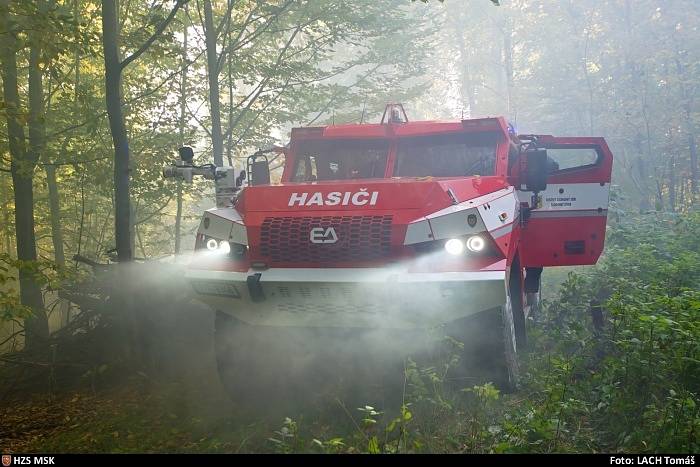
(476, 243)
(224, 247)
(212, 244)
(454, 246)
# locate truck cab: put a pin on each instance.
(405, 225)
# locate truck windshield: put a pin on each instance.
(340, 160)
(446, 155)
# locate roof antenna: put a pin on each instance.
(364, 106)
(333, 117)
(462, 113)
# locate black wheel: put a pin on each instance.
(254, 365)
(510, 347)
(518, 302)
(277, 371)
(490, 349)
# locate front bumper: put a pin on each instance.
(357, 297)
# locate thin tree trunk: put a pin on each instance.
(508, 65)
(4, 196)
(229, 69)
(183, 109)
(54, 196)
(466, 88)
(36, 327)
(672, 184)
(76, 57)
(693, 160)
(132, 227)
(644, 203)
(659, 195)
(113, 74)
(690, 127)
(55, 209)
(681, 196)
(213, 76)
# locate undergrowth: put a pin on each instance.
(613, 366)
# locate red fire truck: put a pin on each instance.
(396, 225)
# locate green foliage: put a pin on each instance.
(45, 273)
(630, 386)
(633, 385)
(10, 306)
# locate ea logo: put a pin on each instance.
(321, 235)
(6, 460)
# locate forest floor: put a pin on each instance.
(629, 386)
(134, 417)
(140, 415)
(184, 408)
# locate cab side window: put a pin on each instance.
(570, 158)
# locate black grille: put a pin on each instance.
(360, 238)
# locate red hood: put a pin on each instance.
(425, 195)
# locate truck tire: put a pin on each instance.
(511, 375)
(279, 371)
(516, 291)
(252, 365)
(490, 349)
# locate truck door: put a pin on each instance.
(568, 225)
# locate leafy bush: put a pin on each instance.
(630, 383)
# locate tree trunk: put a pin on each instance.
(508, 66)
(37, 143)
(659, 195)
(693, 161)
(36, 327)
(466, 85)
(690, 127)
(213, 75)
(672, 184)
(113, 75)
(76, 55)
(229, 69)
(55, 209)
(4, 199)
(183, 108)
(57, 234)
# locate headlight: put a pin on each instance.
(223, 247)
(220, 247)
(475, 243)
(454, 246)
(468, 246)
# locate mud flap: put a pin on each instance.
(255, 290)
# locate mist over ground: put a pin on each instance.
(104, 349)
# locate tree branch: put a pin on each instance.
(159, 30)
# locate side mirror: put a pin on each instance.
(258, 170)
(535, 171)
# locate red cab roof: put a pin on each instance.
(390, 130)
